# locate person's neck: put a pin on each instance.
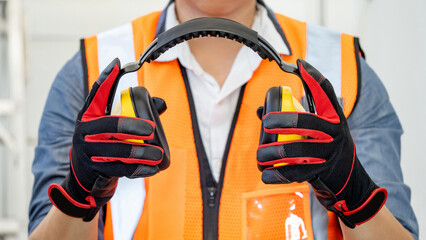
(216, 55)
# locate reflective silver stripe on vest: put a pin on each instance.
(324, 52)
(127, 202)
(118, 42)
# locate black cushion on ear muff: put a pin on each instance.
(272, 104)
(273, 100)
(145, 108)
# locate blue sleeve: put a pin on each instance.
(51, 160)
(376, 130)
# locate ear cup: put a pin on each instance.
(272, 104)
(273, 100)
(145, 108)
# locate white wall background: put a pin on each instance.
(393, 35)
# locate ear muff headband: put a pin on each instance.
(209, 27)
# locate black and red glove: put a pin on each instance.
(326, 159)
(100, 154)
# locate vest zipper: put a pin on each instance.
(210, 189)
(212, 196)
(210, 215)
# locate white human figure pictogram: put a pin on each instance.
(294, 225)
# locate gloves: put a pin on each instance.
(326, 159)
(99, 154)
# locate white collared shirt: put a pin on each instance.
(215, 105)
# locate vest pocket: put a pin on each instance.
(281, 212)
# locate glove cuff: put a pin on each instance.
(363, 213)
(372, 200)
(361, 199)
(76, 202)
(66, 204)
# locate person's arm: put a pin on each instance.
(376, 130)
(382, 226)
(57, 225)
(51, 161)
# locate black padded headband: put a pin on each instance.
(209, 27)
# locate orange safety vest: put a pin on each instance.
(177, 204)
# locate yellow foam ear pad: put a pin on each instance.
(127, 109)
(288, 105)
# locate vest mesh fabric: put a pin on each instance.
(241, 174)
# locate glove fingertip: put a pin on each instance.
(102, 91)
(259, 112)
(321, 90)
(309, 69)
(273, 176)
(160, 105)
(144, 171)
(108, 70)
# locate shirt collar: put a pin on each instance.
(262, 24)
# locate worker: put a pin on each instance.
(212, 187)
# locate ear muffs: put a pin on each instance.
(136, 102)
(209, 27)
(144, 106)
(272, 104)
(280, 99)
(273, 100)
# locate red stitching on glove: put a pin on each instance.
(350, 173)
(322, 78)
(278, 175)
(133, 152)
(120, 125)
(294, 120)
(75, 176)
(281, 152)
(137, 171)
